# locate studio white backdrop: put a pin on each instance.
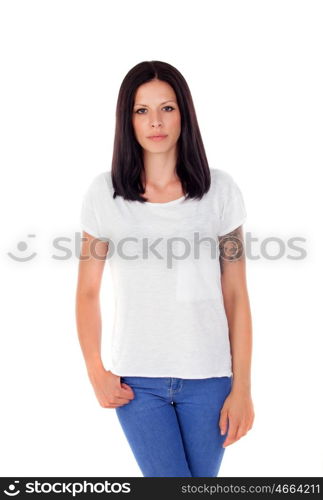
(255, 72)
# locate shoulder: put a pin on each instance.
(220, 177)
(100, 179)
(222, 181)
(99, 184)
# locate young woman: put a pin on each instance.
(171, 228)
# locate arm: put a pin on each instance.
(237, 307)
(238, 406)
(107, 386)
(88, 314)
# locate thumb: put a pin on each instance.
(223, 423)
(125, 386)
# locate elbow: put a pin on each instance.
(87, 293)
(234, 294)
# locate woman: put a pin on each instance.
(171, 228)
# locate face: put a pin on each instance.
(156, 112)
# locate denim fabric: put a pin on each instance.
(172, 425)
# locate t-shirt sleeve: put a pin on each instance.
(89, 216)
(233, 211)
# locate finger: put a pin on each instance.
(125, 391)
(231, 437)
(115, 405)
(126, 396)
(242, 430)
(118, 400)
(127, 388)
(223, 423)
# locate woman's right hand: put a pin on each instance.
(108, 389)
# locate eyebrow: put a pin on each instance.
(169, 100)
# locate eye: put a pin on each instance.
(144, 109)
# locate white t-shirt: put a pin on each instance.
(169, 317)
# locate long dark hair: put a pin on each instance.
(191, 167)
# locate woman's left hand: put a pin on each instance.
(238, 409)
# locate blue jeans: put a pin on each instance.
(172, 425)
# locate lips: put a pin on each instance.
(157, 138)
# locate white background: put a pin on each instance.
(255, 72)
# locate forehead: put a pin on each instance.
(154, 92)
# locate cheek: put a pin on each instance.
(175, 120)
(138, 127)
(175, 123)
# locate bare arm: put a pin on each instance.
(110, 392)
(88, 314)
(238, 407)
(236, 302)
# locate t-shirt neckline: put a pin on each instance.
(167, 203)
(151, 203)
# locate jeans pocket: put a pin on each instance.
(127, 380)
(134, 380)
